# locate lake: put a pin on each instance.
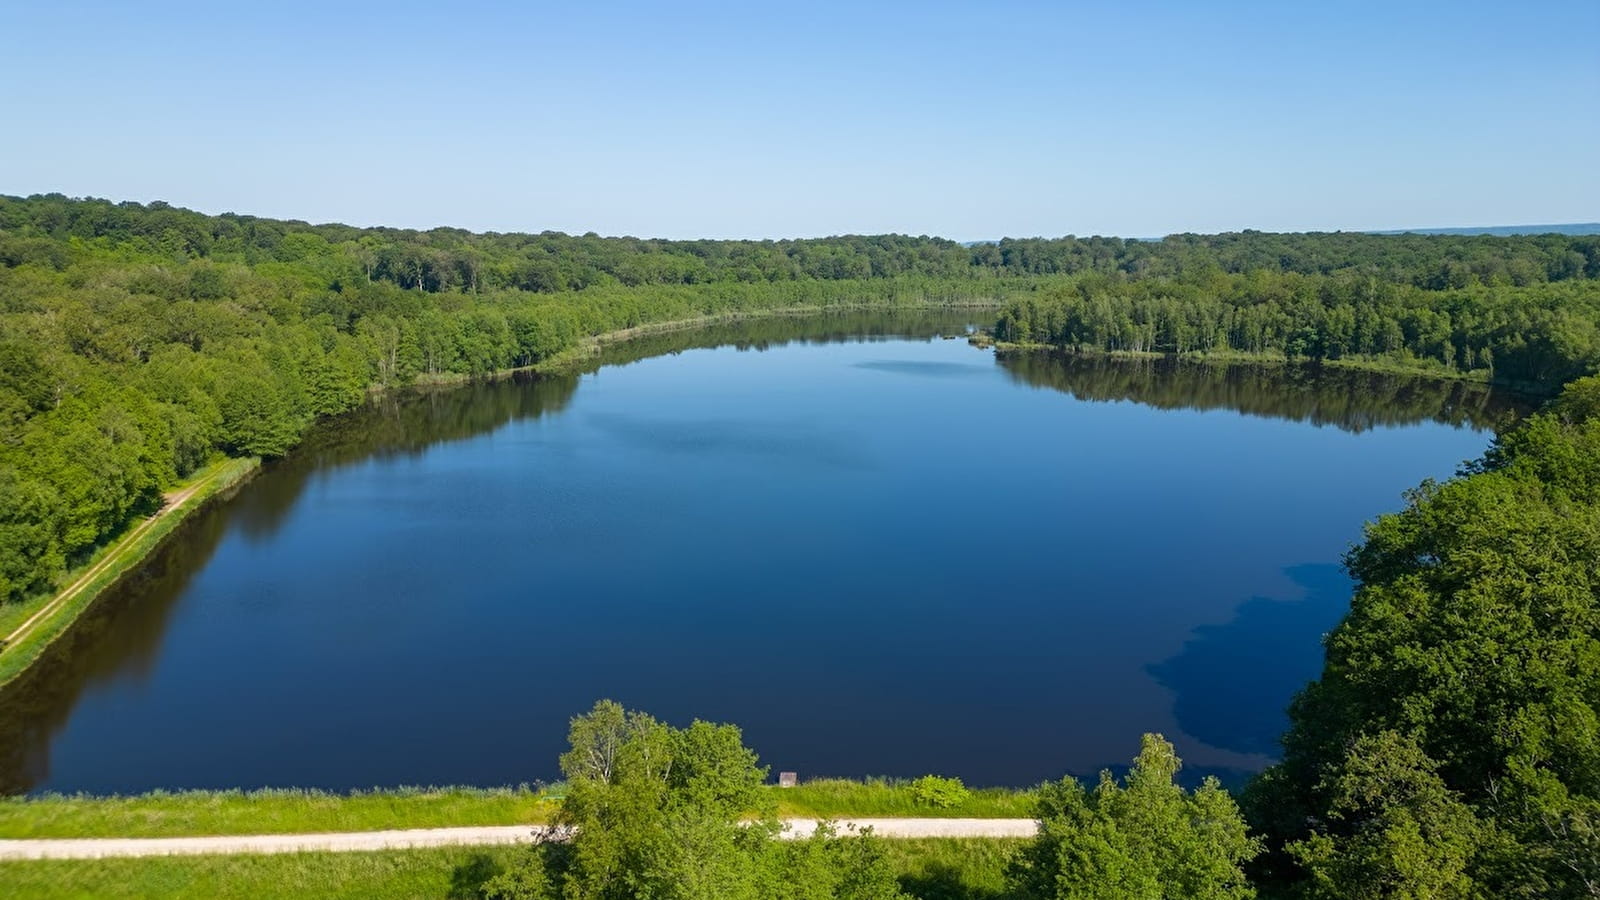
(878, 550)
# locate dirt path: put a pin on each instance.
(97, 848)
(170, 506)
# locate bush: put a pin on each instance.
(941, 793)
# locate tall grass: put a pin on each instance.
(944, 869)
(841, 798)
(190, 813)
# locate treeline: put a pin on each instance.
(1536, 336)
(1451, 747)
(56, 231)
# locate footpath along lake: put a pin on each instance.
(878, 551)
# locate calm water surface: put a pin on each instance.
(878, 555)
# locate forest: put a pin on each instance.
(1532, 336)
(139, 341)
(1451, 747)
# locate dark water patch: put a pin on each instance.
(792, 442)
(926, 369)
(1233, 682)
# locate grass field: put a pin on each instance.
(839, 798)
(945, 869)
(191, 813)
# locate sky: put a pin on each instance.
(732, 120)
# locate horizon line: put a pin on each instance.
(1462, 230)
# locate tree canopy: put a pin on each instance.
(662, 812)
(1453, 740)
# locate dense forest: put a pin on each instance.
(1451, 747)
(139, 341)
(1537, 336)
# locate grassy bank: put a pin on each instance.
(31, 626)
(190, 813)
(840, 798)
(945, 869)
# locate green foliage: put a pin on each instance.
(839, 798)
(1146, 838)
(947, 869)
(662, 812)
(940, 793)
(1537, 336)
(189, 813)
(1454, 736)
(1394, 829)
(269, 811)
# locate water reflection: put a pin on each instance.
(400, 424)
(852, 326)
(1232, 683)
(1348, 399)
(120, 637)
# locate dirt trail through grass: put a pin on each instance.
(172, 502)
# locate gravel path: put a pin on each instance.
(97, 848)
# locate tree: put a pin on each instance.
(680, 814)
(1145, 839)
(1393, 829)
(1464, 684)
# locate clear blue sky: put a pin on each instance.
(970, 120)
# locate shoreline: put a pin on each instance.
(21, 648)
(40, 621)
(45, 619)
(1222, 357)
(572, 360)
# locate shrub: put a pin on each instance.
(940, 793)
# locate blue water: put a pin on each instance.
(885, 557)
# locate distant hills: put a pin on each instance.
(1504, 230)
(1492, 230)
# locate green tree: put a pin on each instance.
(1145, 839)
(661, 812)
(1393, 830)
(1472, 650)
